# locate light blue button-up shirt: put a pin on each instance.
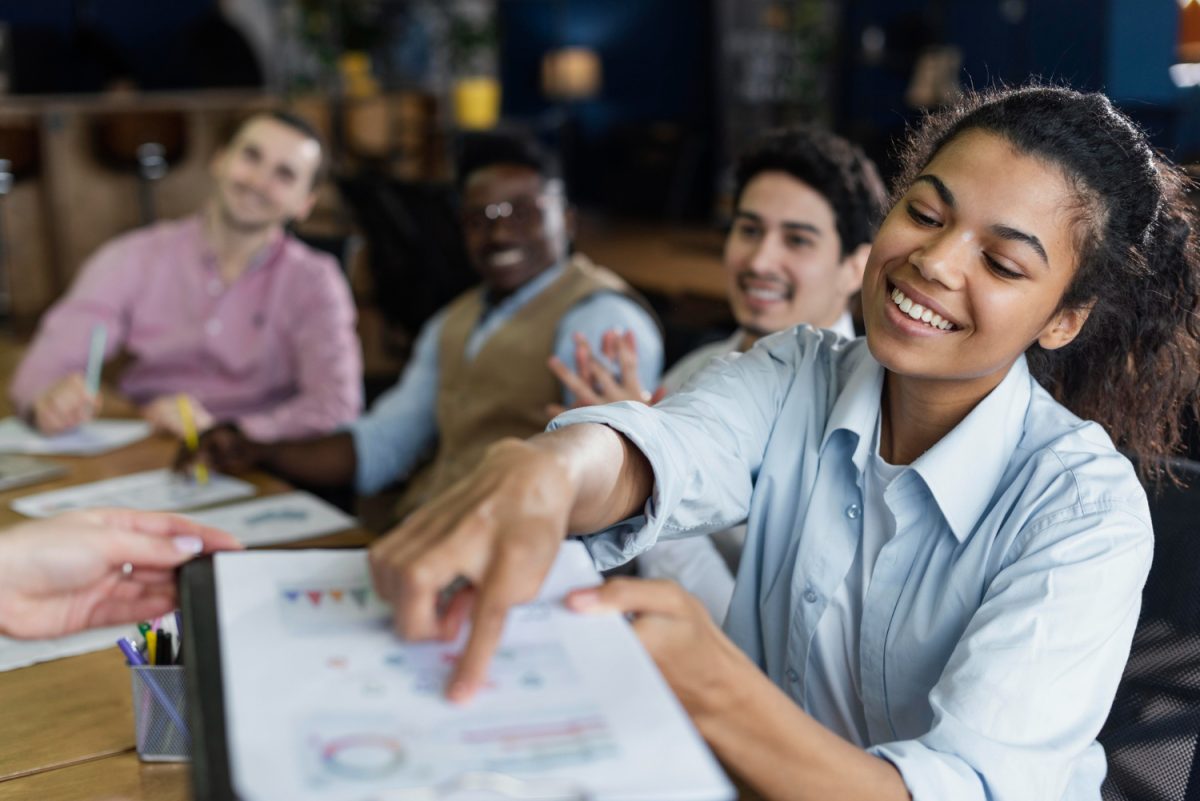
(999, 616)
(401, 427)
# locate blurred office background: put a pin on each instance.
(110, 110)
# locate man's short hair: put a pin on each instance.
(836, 169)
(478, 151)
(299, 125)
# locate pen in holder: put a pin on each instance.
(160, 713)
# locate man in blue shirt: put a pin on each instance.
(478, 370)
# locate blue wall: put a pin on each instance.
(644, 145)
(141, 33)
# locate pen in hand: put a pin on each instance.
(95, 362)
(189, 436)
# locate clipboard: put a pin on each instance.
(212, 776)
(211, 780)
(205, 685)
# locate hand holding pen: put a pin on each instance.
(223, 448)
(189, 436)
(74, 399)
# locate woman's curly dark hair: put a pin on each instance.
(1135, 366)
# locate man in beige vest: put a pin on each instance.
(478, 371)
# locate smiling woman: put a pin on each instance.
(1120, 310)
(943, 562)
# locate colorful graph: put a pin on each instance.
(319, 608)
(342, 748)
(532, 666)
(532, 745)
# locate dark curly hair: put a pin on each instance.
(838, 170)
(1135, 366)
(478, 151)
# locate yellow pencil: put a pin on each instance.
(151, 647)
(189, 435)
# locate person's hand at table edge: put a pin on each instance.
(99, 567)
(223, 448)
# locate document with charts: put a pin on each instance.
(323, 702)
(150, 491)
(287, 517)
(89, 439)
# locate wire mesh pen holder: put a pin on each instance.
(160, 713)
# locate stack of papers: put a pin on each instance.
(17, 470)
(324, 703)
(288, 517)
(89, 439)
(21, 653)
(150, 491)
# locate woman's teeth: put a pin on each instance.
(919, 312)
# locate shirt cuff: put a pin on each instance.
(931, 776)
(367, 479)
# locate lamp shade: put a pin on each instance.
(1189, 32)
(571, 73)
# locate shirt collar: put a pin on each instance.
(857, 407)
(265, 255)
(523, 294)
(844, 326)
(985, 440)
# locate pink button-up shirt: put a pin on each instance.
(275, 351)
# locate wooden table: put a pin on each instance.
(66, 726)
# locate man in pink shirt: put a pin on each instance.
(224, 307)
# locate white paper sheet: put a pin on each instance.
(89, 439)
(324, 703)
(20, 653)
(288, 517)
(152, 490)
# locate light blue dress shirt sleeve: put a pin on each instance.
(402, 424)
(606, 311)
(705, 445)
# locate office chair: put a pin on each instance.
(1152, 732)
(417, 259)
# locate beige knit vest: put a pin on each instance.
(504, 390)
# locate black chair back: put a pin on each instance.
(417, 259)
(1151, 733)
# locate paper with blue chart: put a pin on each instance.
(324, 702)
(89, 439)
(150, 491)
(287, 517)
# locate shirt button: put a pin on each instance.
(792, 676)
(215, 286)
(213, 327)
(810, 596)
(853, 511)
